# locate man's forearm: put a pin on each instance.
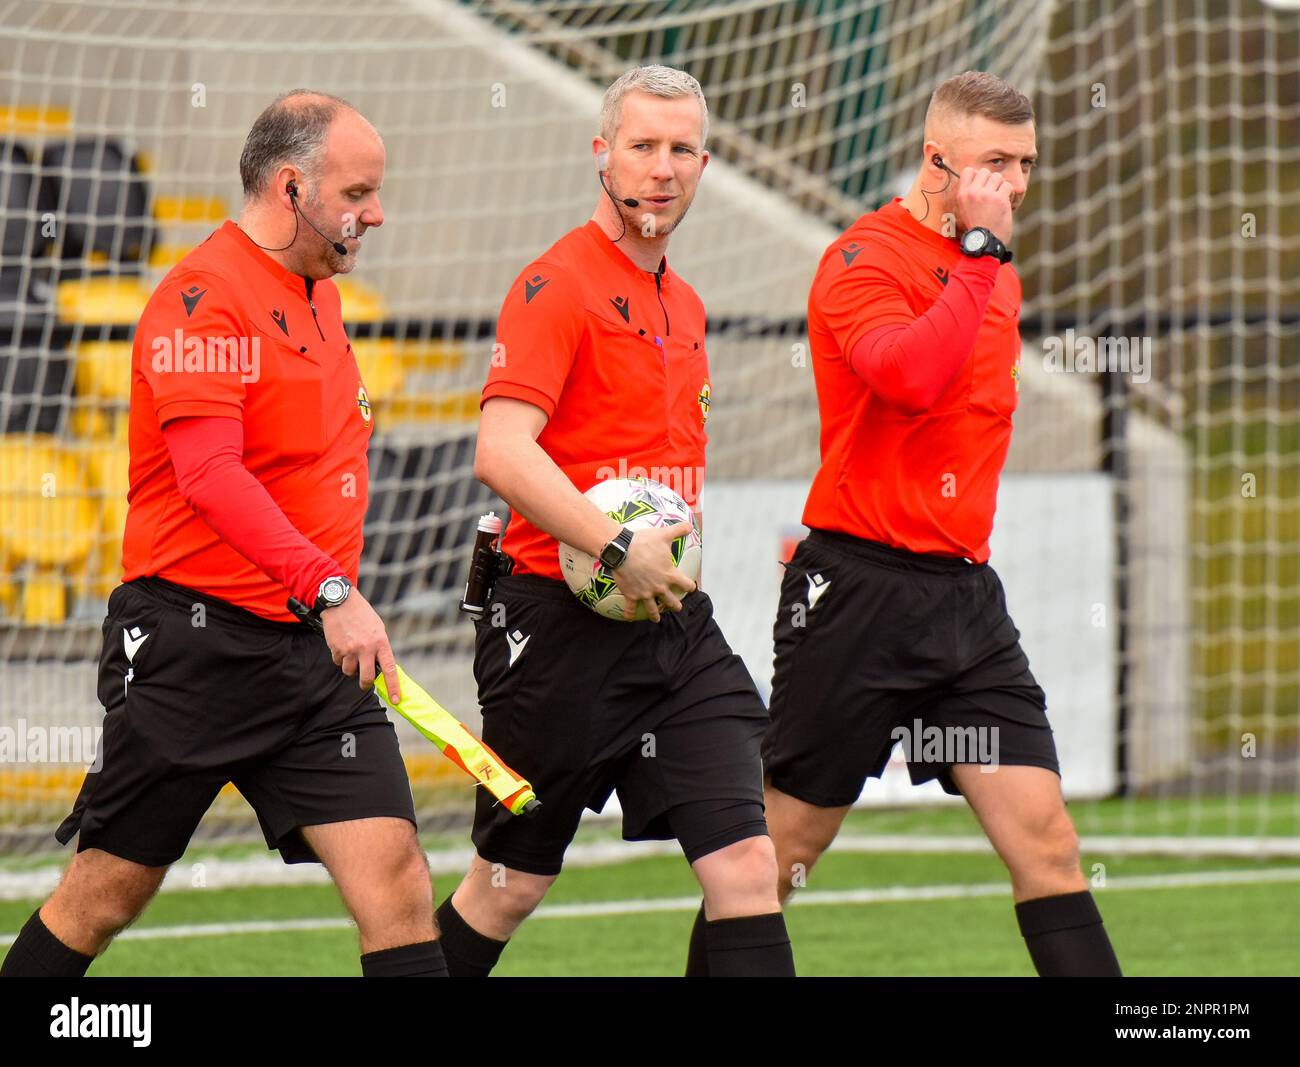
(525, 477)
(206, 453)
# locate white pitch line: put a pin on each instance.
(269, 870)
(1101, 844)
(214, 873)
(805, 898)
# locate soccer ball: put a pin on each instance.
(638, 504)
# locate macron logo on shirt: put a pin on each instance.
(191, 297)
(533, 287)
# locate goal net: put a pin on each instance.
(1149, 520)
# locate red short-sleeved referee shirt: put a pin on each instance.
(927, 482)
(615, 357)
(230, 332)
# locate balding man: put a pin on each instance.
(892, 626)
(249, 427)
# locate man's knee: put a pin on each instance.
(801, 832)
(494, 899)
(99, 895)
(398, 890)
(516, 894)
(800, 853)
(740, 879)
(1061, 842)
(1050, 844)
(411, 880)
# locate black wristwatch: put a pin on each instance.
(615, 552)
(981, 242)
(331, 593)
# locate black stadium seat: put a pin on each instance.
(21, 234)
(101, 202)
(35, 391)
(24, 270)
(420, 524)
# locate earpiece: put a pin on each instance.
(937, 160)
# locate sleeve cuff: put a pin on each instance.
(312, 580)
(516, 391)
(181, 409)
(985, 265)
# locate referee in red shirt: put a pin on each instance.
(892, 625)
(249, 427)
(601, 370)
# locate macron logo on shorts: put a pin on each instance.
(132, 639)
(516, 641)
(817, 586)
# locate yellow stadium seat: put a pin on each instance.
(387, 365)
(414, 356)
(102, 301)
(459, 406)
(107, 469)
(45, 599)
(10, 588)
(360, 302)
(189, 209)
(163, 257)
(92, 423)
(380, 366)
(46, 516)
(103, 370)
(28, 120)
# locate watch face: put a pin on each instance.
(332, 590)
(975, 240)
(615, 552)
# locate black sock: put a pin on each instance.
(37, 953)
(469, 953)
(754, 946)
(421, 960)
(1065, 937)
(697, 955)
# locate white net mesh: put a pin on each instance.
(1164, 209)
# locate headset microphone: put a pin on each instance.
(602, 161)
(627, 201)
(292, 190)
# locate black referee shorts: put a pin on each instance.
(580, 705)
(877, 646)
(198, 693)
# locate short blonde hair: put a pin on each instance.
(667, 82)
(977, 92)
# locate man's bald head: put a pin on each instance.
(976, 93)
(293, 131)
